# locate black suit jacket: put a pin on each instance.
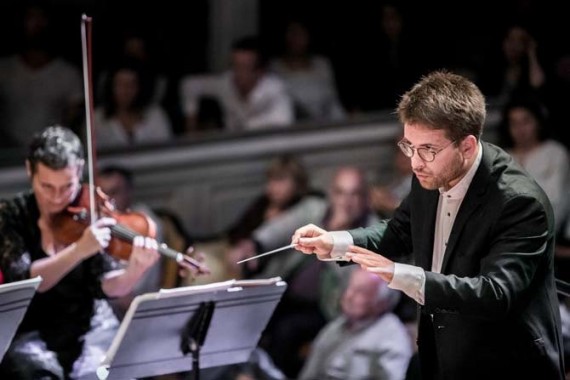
(492, 312)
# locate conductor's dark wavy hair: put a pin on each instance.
(446, 101)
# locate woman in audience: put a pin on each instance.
(518, 68)
(127, 117)
(286, 185)
(524, 134)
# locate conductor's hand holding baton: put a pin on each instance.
(311, 239)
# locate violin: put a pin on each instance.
(68, 226)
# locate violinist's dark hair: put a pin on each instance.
(56, 147)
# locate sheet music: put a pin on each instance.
(102, 371)
(148, 340)
(195, 289)
(15, 298)
(258, 282)
(32, 282)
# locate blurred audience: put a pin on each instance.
(249, 97)
(117, 182)
(516, 68)
(135, 44)
(37, 86)
(558, 95)
(286, 185)
(525, 135)
(385, 198)
(311, 298)
(126, 116)
(385, 60)
(367, 341)
(309, 77)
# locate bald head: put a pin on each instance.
(367, 296)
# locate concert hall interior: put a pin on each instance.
(232, 123)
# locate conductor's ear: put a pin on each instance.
(468, 146)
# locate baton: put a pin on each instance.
(268, 253)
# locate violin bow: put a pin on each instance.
(86, 27)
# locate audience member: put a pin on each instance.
(367, 341)
(250, 98)
(126, 117)
(309, 77)
(37, 86)
(117, 182)
(384, 67)
(558, 96)
(385, 198)
(136, 45)
(525, 135)
(286, 185)
(516, 68)
(311, 298)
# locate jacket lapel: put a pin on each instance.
(471, 203)
(429, 205)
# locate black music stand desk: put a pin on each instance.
(190, 328)
(15, 298)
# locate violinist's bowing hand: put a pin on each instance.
(372, 262)
(95, 238)
(143, 256)
(193, 265)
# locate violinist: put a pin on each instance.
(53, 340)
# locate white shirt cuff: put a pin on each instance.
(341, 241)
(409, 279)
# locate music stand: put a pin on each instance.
(15, 298)
(219, 323)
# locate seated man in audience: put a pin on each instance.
(250, 98)
(367, 341)
(117, 182)
(385, 198)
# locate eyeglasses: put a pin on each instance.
(427, 154)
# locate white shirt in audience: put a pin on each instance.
(154, 127)
(267, 106)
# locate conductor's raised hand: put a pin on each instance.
(312, 239)
(372, 262)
